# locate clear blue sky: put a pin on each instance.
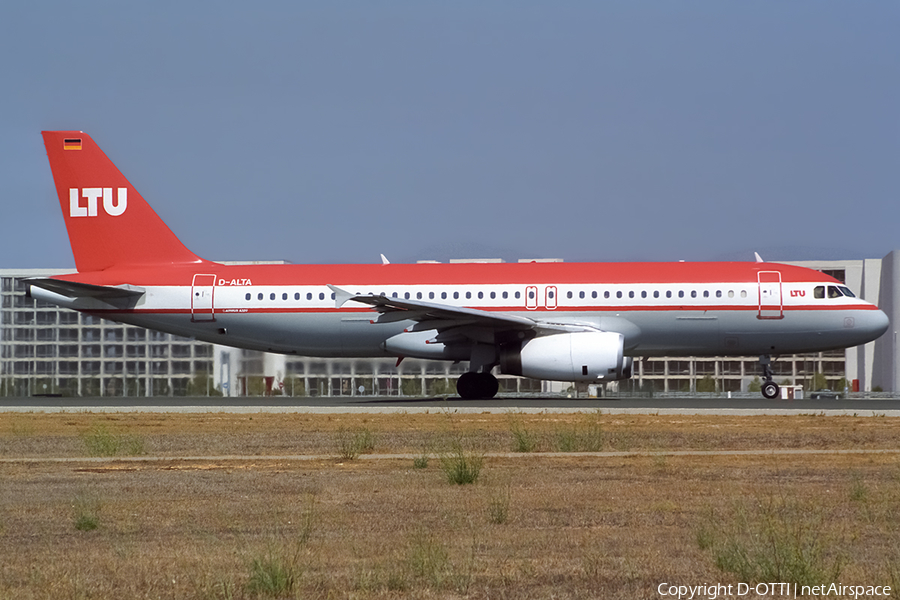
(335, 131)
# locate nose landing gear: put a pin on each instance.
(770, 389)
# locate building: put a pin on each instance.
(48, 350)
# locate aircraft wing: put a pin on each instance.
(444, 317)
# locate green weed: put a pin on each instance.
(271, 575)
(773, 539)
(352, 443)
(460, 466)
(86, 511)
(100, 441)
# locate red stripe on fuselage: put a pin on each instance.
(504, 310)
(456, 274)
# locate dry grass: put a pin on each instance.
(531, 527)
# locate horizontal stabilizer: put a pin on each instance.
(71, 289)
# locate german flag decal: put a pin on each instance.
(72, 144)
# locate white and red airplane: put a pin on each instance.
(555, 321)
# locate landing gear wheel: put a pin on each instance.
(488, 386)
(467, 385)
(770, 390)
(477, 386)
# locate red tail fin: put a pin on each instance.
(109, 223)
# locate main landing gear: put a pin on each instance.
(477, 386)
(770, 389)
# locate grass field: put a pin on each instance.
(233, 522)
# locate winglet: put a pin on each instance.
(340, 296)
(384, 260)
(758, 257)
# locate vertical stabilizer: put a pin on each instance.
(109, 223)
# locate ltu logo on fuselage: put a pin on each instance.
(93, 195)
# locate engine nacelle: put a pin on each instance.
(579, 356)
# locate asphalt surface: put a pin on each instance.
(679, 405)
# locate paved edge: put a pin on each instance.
(332, 457)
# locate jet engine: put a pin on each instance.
(579, 356)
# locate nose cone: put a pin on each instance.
(874, 323)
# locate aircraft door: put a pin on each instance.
(531, 297)
(550, 297)
(770, 304)
(202, 294)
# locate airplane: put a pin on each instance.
(573, 322)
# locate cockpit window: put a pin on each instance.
(833, 292)
(819, 292)
(847, 291)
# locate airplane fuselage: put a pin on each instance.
(688, 309)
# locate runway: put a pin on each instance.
(888, 407)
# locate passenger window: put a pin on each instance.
(569, 295)
(718, 293)
(456, 295)
(272, 296)
(656, 293)
(847, 292)
(260, 297)
(321, 296)
(833, 292)
(743, 293)
(443, 295)
(297, 295)
(618, 294)
(284, 296)
(731, 293)
(668, 293)
(693, 293)
(680, 293)
(418, 295)
(606, 294)
(505, 295)
(247, 297)
(706, 293)
(480, 295)
(551, 295)
(518, 295)
(643, 294)
(332, 295)
(309, 296)
(394, 295)
(594, 294)
(406, 296)
(431, 295)
(631, 294)
(819, 291)
(468, 295)
(493, 295)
